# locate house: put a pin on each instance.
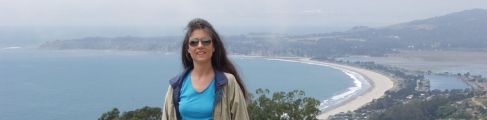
(410, 96)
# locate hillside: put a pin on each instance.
(465, 29)
(469, 19)
(460, 31)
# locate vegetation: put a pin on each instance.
(145, 113)
(290, 106)
(437, 107)
(407, 100)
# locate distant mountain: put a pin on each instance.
(465, 30)
(468, 20)
(127, 43)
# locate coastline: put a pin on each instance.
(379, 84)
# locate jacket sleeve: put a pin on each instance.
(238, 106)
(168, 106)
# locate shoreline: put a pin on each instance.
(379, 83)
(375, 91)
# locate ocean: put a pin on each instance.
(83, 84)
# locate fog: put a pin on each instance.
(30, 22)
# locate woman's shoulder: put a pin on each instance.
(231, 78)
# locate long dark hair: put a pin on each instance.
(219, 59)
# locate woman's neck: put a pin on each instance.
(201, 70)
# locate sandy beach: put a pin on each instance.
(379, 84)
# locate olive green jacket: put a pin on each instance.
(229, 100)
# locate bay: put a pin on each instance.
(80, 84)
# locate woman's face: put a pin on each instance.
(200, 46)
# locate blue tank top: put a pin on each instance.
(194, 105)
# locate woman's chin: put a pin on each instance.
(201, 60)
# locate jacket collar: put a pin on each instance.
(220, 77)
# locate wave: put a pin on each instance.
(361, 86)
(9, 48)
(282, 60)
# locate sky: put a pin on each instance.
(225, 13)
(38, 21)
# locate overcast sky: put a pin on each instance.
(225, 13)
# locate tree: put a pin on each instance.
(410, 111)
(436, 92)
(482, 109)
(461, 115)
(145, 113)
(446, 91)
(444, 111)
(110, 115)
(292, 105)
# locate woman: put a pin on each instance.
(210, 86)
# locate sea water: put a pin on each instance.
(83, 84)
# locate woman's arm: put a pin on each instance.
(238, 105)
(168, 106)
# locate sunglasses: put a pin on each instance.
(194, 42)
